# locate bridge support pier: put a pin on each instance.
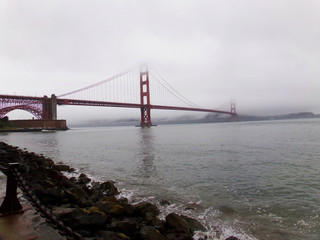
(145, 117)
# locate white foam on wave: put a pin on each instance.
(210, 218)
(134, 196)
(217, 229)
(77, 172)
(124, 193)
(222, 233)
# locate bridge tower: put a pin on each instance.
(234, 114)
(49, 108)
(145, 97)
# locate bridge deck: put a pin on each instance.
(133, 105)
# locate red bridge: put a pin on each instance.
(124, 90)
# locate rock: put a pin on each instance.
(66, 214)
(150, 233)
(123, 200)
(37, 189)
(85, 188)
(127, 208)
(194, 224)
(127, 226)
(178, 224)
(34, 174)
(108, 188)
(95, 185)
(54, 192)
(164, 202)
(93, 210)
(52, 174)
(110, 208)
(150, 213)
(73, 179)
(62, 168)
(46, 162)
(184, 224)
(178, 236)
(91, 221)
(232, 238)
(53, 195)
(108, 235)
(78, 196)
(84, 219)
(146, 209)
(65, 182)
(83, 178)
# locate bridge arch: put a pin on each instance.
(31, 109)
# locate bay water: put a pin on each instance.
(252, 180)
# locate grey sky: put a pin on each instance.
(263, 54)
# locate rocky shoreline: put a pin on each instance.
(93, 209)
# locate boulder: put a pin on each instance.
(151, 233)
(83, 179)
(65, 182)
(194, 224)
(62, 168)
(53, 195)
(108, 235)
(108, 188)
(37, 189)
(77, 196)
(178, 224)
(146, 209)
(91, 221)
(110, 208)
(45, 162)
(178, 236)
(66, 214)
(164, 202)
(127, 226)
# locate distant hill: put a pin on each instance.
(212, 118)
(209, 118)
(279, 117)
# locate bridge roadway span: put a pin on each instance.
(132, 105)
(46, 108)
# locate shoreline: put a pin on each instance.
(94, 211)
(33, 129)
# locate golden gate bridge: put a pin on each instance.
(133, 88)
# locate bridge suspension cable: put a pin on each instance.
(172, 90)
(98, 83)
(124, 88)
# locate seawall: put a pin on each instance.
(38, 125)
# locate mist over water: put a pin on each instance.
(254, 180)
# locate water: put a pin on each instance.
(254, 180)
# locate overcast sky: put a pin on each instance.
(263, 54)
